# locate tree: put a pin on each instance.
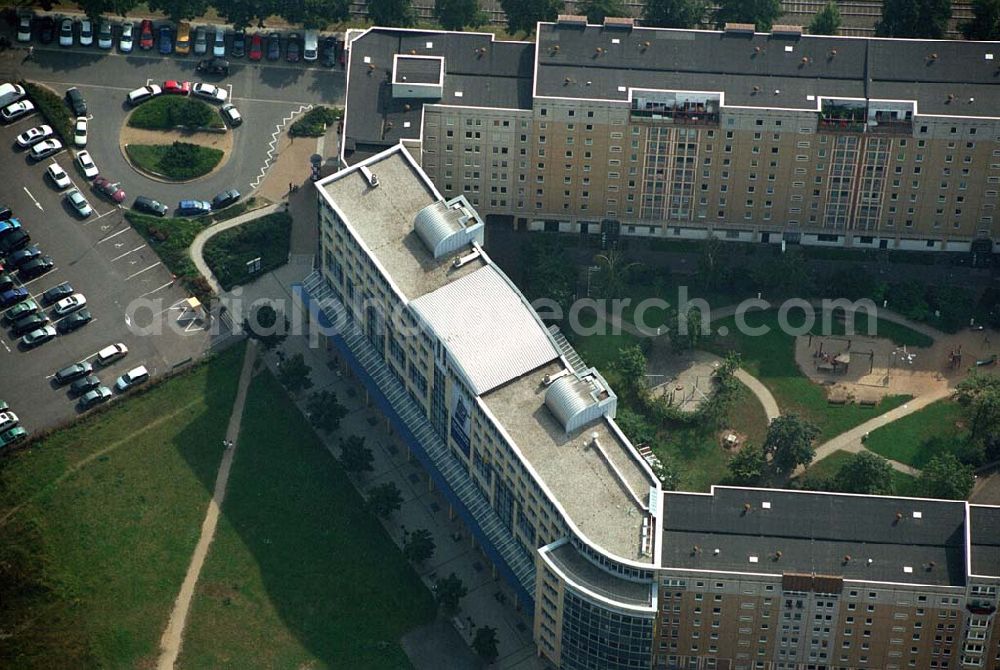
(985, 23)
(396, 13)
(946, 477)
(865, 472)
(325, 412)
(631, 366)
(294, 374)
(914, 18)
(311, 14)
(684, 330)
(179, 10)
(418, 546)
(827, 20)
(95, 9)
(667, 472)
(789, 442)
(979, 395)
(459, 14)
(354, 455)
(748, 465)
(245, 13)
(384, 499)
(522, 15)
(262, 325)
(485, 643)
(449, 591)
(674, 13)
(597, 10)
(761, 13)
(614, 272)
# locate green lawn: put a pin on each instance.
(170, 238)
(899, 334)
(826, 469)
(179, 161)
(99, 521)
(770, 358)
(268, 238)
(601, 351)
(916, 438)
(299, 574)
(167, 112)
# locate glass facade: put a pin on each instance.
(597, 638)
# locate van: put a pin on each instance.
(10, 93)
(311, 50)
(183, 45)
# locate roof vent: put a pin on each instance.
(766, 504)
(932, 57)
(918, 515)
(646, 44)
(548, 379)
(571, 20)
(746, 508)
(870, 561)
(833, 53)
(480, 52)
(847, 559)
(907, 569)
(716, 551)
(739, 29)
(753, 559)
(951, 98)
(756, 90)
(618, 23)
(778, 555)
(370, 176)
(784, 30)
(695, 550)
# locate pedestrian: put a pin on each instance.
(289, 187)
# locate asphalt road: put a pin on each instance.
(265, 93)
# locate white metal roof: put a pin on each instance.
(490, 332)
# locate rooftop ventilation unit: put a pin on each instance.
(571, 20)
(739, 29)
(576, 399)
(618, 23)
(446, 227)
(782, 30)
(370, 176)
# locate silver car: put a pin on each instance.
(125, 42)
(200, 41)
(79, 202)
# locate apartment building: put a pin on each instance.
(519, 435)
(756, 137)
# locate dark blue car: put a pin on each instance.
(166, 40)
(12, 296)
(193, 207)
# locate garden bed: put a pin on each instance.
(315, 122)
(179, 161)
(267, 238)
(168, 113)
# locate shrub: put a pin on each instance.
(178, 161)
(228, 252)
(166, 113)
(51, 106)
(314, 122)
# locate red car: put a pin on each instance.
(177, 87)
(110, 189)
(146, 34)
(256, 47)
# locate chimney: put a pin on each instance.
(847, 559)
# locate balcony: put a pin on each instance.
(891, 126)
(840, 124)
(688, 115)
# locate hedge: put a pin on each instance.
(51, 106)
(167, 113)
(314, 122)
(179, 161)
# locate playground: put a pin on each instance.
(686, 378)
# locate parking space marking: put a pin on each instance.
(159, 288)
(113, 235)
(141, 246)
(37, 204)
(98, 217)
(136, 274)
(5, 346)
(27, 283)
(69, 83)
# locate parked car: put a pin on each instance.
(24, 28)
(86, 164)
(132, 378)
(84, 384)
(46, 30)
(38, 337)
(150, 206)
(66, 33)
(143, 94)
(23, 308)
(12, 436)
(219, 43)
(109, 188)
(183, 45)
(10, 93)
(200, 41)
(110, 354)
(19, 258)
(16, 110)
(7, 421)
(32, 135)
(95, 397)
(310, 46)
(9, 225)
(256, 47)
(239, 49)
(175, 87)
(125, 41)
(73, 372)
(86, 33)
(76, 102)
(193, 207)
(73, 321)
(225, 199)
(13, 295)
(293, 49)
(219, 66)
(80, 131)
(166, 40)
(57, 293)
(15, 240)
(58, 176)
(273, 46)
(79, 202)
(70, 304)
(146, 35)
(5, 213)
(328, 52)
(6, 282)
(45, 148)
(210, 92)
(105, 40)
(37, 267)
(231, 115)
(28, 323)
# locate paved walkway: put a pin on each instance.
(170, 643)
(198, 245)
(762, 392)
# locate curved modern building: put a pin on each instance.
(519, 435)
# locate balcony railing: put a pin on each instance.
(840, 125)
(891, 127)
(686, 117)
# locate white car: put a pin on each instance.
(105, 37)
(125, 42)
(70, 304)
(32, 135)
(58, 176)
(80, 131)
(8, 420)
(79, 203)
(17, 110)
(111, 353)
(210, 92)
(24, 28)
(219, 45)
(45, 148)
(143, 94)
(66, 33)
(87, 164)
(86, 33)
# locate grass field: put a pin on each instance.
(267, 238)
(179, 161)
(771, 359)
(916, 438)
(294, 556)
(826, 470)
(98, 522)
(899, 334)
